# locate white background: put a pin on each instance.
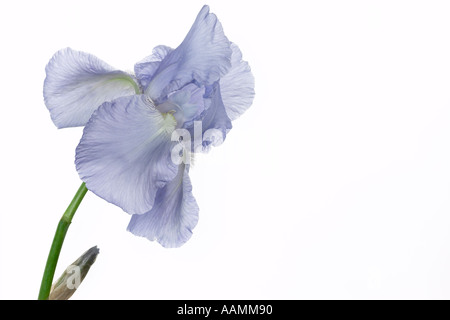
(334, 185)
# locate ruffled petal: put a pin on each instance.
(237, 87)
(77, 83)
(146, 68)
(174, 215)
(124, 155)
(203, 56)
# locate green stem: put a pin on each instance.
(58, 241)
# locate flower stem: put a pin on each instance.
(58, 241)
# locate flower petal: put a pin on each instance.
(174, 215)
(203, 56)
(124, 155)
(215, 122)
(237, 86)
(146, 68)
(77, 83)
(186, 104)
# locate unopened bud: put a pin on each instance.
(72, 277)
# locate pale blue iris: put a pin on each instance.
(124, 154)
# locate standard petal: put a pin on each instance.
(77, 83)
(203, 56)
(174, 215)
(124, 155)
(146, 68)
(237, 87)
(215, 122)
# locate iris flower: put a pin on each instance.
(125, 153)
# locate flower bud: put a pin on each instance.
(72, 277)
